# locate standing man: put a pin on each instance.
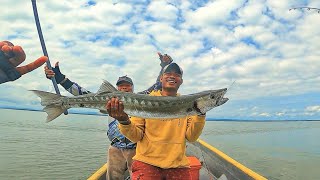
(122, 150)
(161, 143)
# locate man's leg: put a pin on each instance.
(116, 164)
(177, 174)
(143, 171)
(128, 155)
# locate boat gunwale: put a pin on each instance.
(224, 156)
(102, 171)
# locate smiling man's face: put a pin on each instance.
(171, 80)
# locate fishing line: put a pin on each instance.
(231, 85)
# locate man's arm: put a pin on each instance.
(11, 57)
(133, 131)
(195, 125)
(164, 60)
(65, 82)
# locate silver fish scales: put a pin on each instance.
(139, 105)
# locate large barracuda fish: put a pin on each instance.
(139, 105)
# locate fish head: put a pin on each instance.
(209, 100)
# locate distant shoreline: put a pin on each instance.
(208, 119)
(70, 112)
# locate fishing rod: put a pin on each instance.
(305, 7)
(43, 45)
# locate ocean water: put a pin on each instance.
(277, 150)
(75, 146)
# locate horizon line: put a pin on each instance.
(208, 118)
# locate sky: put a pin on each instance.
(268, 56)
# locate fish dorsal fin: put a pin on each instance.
(106, 87)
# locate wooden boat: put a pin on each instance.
(213, 164)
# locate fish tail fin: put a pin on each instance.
(53, 112)
(49, 101)
(46, 97)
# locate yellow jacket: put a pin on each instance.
(162, 143)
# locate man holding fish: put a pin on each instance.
(121, 150)
(153, 119)
(161, 143)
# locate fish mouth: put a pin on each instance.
(222, 101)
(195, 106)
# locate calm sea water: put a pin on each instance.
(74, 146)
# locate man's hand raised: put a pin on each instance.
(165, 59)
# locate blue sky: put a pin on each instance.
(271, 53)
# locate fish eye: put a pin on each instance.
(212, 96)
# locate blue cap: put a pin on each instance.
(173, 67)
(123, 79)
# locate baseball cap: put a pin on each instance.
(173, 67)
(123, 79)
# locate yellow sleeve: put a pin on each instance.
(195, 125)
(135, 130)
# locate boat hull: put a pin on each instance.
(215, 165)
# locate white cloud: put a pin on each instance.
(216, 51)
(251, 13)
(268, 50)
(311, 110)
(213, 13)
(163, 11)
(280, 114)
(264, 114)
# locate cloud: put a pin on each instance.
(267, 50)
(163, 11)
(213, 13)
(312, 110)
